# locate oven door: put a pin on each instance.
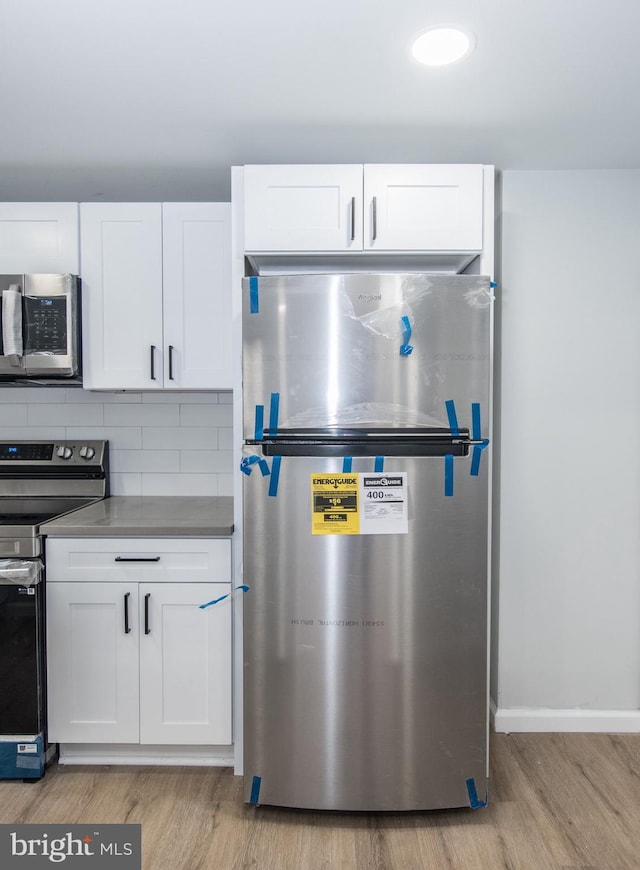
(22, 671)
(40, 326)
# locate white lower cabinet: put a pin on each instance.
(136, 662)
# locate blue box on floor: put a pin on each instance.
(22, 757)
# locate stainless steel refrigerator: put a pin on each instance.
(365, 493)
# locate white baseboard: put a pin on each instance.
(117, 753)
(506, 720)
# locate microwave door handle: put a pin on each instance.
(12, 325)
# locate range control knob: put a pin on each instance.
(64, 452)
(87, 452)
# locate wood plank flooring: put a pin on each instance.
(557, 802)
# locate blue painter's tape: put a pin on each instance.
(275, 475)
(256, 782)
(476, 424)
(347, 462)
(254, 299)
(405, 347)
(273, 412)
(222, 597)
(247, 463)
(246, 466)
(259, 427)
(493, 285)
(474, 801)
(448, 474)
(453, 417)
(476, 456)
(476, 434)
(379, 464)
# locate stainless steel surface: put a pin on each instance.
(46, 479)
(148, 516)
(365, 656)
(329, 345)
(50, 326)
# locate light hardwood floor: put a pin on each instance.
(557, 802)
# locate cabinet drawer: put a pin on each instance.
(158, 560)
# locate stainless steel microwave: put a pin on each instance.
(40, 326)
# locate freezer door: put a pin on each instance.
(365, 349)
(365, 655)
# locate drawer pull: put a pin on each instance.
(147, 628)
(137, 558)
(127, 627)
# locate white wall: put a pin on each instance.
(568, 590)
(159, 443)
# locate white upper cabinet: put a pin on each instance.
(197, 298)
(364, 208)
(121, 257)
(156, 295)
(303, 208)
(38, 237)
(428, 207)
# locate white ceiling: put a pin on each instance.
(156, 99)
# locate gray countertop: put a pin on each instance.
(147, 516)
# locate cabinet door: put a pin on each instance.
(185, 664)
(423, 207)
(92, 662)
(38, 237)
(303, 208)
(197, 295)
(121, 262)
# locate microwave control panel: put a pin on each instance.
(45, 324)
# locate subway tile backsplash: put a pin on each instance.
(160, 443)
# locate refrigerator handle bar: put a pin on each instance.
(353, 218)
(374, 209)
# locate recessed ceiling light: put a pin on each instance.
(439, 46)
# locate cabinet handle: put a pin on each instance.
(374, 234)
(353, 218)
(127, 627)
(137, 559)
(170, 362)
(147, 629)
(153, 371)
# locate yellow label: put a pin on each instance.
(334, 504)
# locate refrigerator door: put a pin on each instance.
(365, 655)
(365, 350)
